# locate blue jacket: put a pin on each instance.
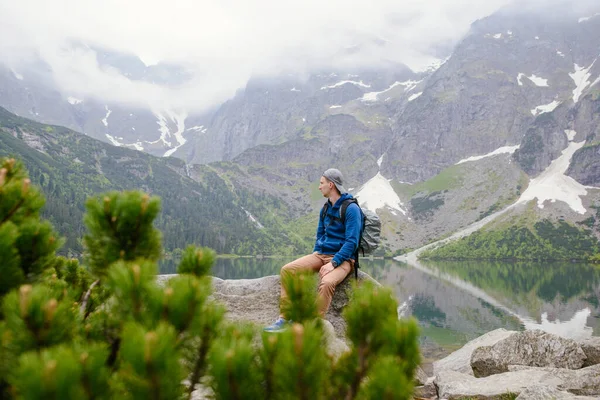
(335, 238)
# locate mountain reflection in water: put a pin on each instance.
(456, 301)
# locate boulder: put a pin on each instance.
(420, 376)
(532, 348)
(426, 391)
(460, 360)
(456, 385)
(257, 300)
(545, 393)
(585, 381)
(335, 346)
(591, 348)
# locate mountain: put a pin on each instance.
(69, 167)
(278, 109)
(507, 120)
(503, 131)
(31, 91)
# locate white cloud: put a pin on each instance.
(223, 43)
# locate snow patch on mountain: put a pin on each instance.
(570, 134)
(163, 129)
(560, 53)
(585, 19)
(580, 77)
(414, 96)
(357, 83)
(553, 185)
(495, 36)
(105, 119)
(113, 140)
(179, 119)
(73, 100)
(295, 90)
(137, 145)
(336, 106)
(251, 218)
(17, 75)
(545, 108)
(380, 160)
(541, 82)
(198, 128)
(595, 82)
(378, 193)
(501, 150)
(431, 67)
(408, 86)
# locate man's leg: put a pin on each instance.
(329, 282)
(312, 262)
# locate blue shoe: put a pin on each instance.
(278, 326)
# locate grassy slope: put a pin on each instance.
(73, 167)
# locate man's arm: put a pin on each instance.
(320, 229)
(353, 227)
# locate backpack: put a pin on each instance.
(370, 234)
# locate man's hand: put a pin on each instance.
(325, 269)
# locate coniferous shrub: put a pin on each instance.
(108, 330)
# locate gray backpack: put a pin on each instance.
(371, 227)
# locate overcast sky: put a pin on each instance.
(223, 42)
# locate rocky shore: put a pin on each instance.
(501, 364)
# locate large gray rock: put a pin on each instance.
(336, 346)
(460, 360)
(420, 377)
(532, 348)
(591, 348)
(545, 393)
(455, 385)
(585, 381)
(427, 390)
(257, 300)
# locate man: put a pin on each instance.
(335, 246)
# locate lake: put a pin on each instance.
(455, 302)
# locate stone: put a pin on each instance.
(426, 391)
(460, 360)
(585, 381)
(545, 393)
(335, 346)
(591, 348)
(257, 300)
(532, 348)
(420, 376)
(456, 385)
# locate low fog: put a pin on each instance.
(221, 44)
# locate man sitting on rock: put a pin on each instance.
(335, 247)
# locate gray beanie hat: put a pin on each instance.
(335, 176)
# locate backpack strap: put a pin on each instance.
(324, 210)
(343, 208)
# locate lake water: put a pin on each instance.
(455, 302)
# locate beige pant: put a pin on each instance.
(327, 284)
